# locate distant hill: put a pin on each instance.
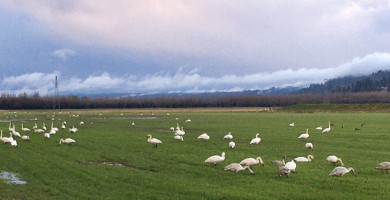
(377, 81)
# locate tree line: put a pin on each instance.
(35, 101)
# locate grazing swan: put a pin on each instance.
(215, 159)
(304, 135)
(291, 165)
(81, 123)
(251, 161)
(340, 171)
(68, 141)
(25, 129)
(14, 143)
(46, 135)
(178, 137)
(283, 171)
(292, 124)
(327, 129)
(153, 141)
(188, 120)
(236, 167)
(303, 159)
(383, 166)
(255, 140)
(229, 136)
(232, 144)
(334, 159)
(319, 128)
(204, 136)
(309, 145)
(278, 162)
(25, 137)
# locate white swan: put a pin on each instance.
(180, 131)
(25, 129)
(304, 135)
(68, 141)
(204, 136)
(153, 141)
(25, 137)
(334, 159)
(44, 127)
(232, 144)
(340, 171)
(6, 139)
(38, 130)
(255, 140)
(251, 161)
(309, 145)
(10, 128)
(383, 166)
(327, 129)
(304, 159)
(73, 129)
(133, 123)
(63, 125)
(15, 133)
(46, 135)
(178, 137)
(35, 126)
(319, 128)
(14, 143)
(215, 159)
(81, 123)
(188, 120)
(292, 124)
(229, 136)
(236, 167)
(291, 165)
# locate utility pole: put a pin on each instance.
(56, 95)
(326, 91)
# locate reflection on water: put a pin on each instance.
(11, 178)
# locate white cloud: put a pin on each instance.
(191, 81)
(64, 53)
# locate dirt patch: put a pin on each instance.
(117, 164)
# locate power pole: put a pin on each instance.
(56, 95)
(326, 91)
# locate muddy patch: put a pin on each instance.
(117, 164)
(11, 178)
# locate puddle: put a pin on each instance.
(11, 178)
(118, 164)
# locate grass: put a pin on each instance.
(176, 170)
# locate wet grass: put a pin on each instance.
(112, 160)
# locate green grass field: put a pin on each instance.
(176, 170)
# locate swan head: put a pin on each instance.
(260, 160)
(257, 134)
(149, 136)
(223, 154)
(310, 157)
(353, 171)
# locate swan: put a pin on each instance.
(46, 135)
(172, 128)
(255, 140)
(180, 131)
(204, 136)
(188, 120)
(53, 128)
(304, 135)
(232, 144)
(383, 166)
(319, 128)
(292, 124)
(73, 129)
(340, 171)
(132, 123)
(215, 159)
(14, 143)
(178, 137)
(25, 129)
(15, 133)
(25, 137)
(334, 159)
(153, 141)
(10, 128)
(38, 130)
(251, 161)
(309, 145)
(291, 165)
(304, 159)
(6, 139)
(81, 123)
(68, 141)
(327, 129)
(236, 167)
(63, 125)
(278, 162)
(229, 136)
(35, 126)
(44, 126)
(283, 170)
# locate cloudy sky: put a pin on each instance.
(150, 46)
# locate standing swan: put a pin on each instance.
(68, 141)
(25, 129)
(327, 129)
(340, 171)
(215, 159)
(256, 140)
(153, 141)
(235, 167)
(251, 161)
(383, 166)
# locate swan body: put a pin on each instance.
(309, 145)
(291, 165)
(25, 137)
(68, 141)
(340, 171)
(81, 123)
(215, 159)
(304, 159)
(25, 129)
(35, 126)
(229, 136)
(38, 130)
(73, 129)
(255, 140)
(383, 166)
(46, 135)
(153, 141)
(319, 128)
(204, 136)
(283, 170)
(14, 132)
(232, 144)
(44, 127)
(178, 137)
(292, 124)
(236, 167)
(278, 162)
(327, 129)
(132, 124)
(180, 131)
(63, 125)
(6, 139)
(251, 161)
(304, 135)
(334, 159)
(188, 120)
(14, 143)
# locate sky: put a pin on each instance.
(165, 46)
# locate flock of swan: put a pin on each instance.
(13, 134)
(284, 169)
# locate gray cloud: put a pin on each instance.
(64, 53)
